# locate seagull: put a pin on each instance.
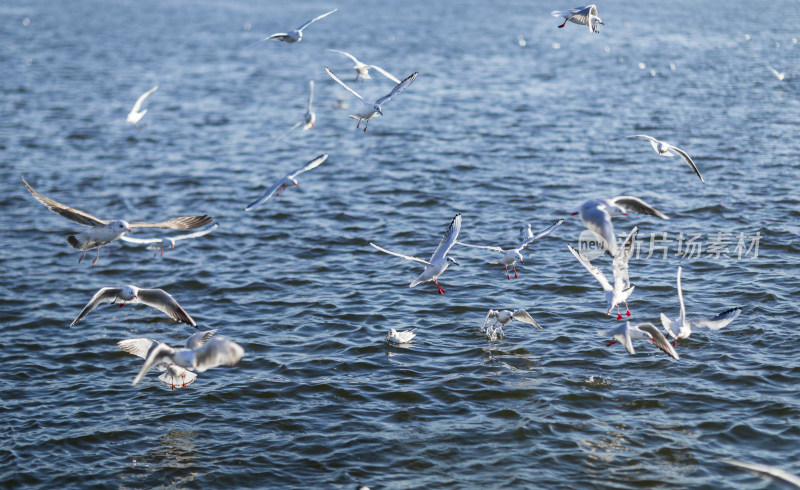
(525, 232)
(767, 470)
(511, 256)
(135, 116)
(504, 318)
(102, 231)
(596, 215)
(622, 289)
(666, 150)
(308, 118)
(174, 375)
(287, 179)
(166, 242)
(215, 352)
(779, 75)
(439, 261)
(362, 70)
(682, 328)
(586, 16)
(403, 337)
(295, 35)
(625, 334)
(157, 298)
(372, 110)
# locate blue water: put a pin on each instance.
(503, 134)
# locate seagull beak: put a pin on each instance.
(573, 214)
(173, 246)
(127, 230)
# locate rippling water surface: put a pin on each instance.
(503, 134)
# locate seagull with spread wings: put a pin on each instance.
(362, 69)
(308, 118)
(135, 115)
(286, 180)
(586, 16)
(215, 352)
(505, 317)
(155, 298)
(667, 150)
(627, 333)
(596, 215)
(157, 244)
(295, 35)
(101, 232)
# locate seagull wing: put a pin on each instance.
(346, 54)
(330, 73)
(540, 234)
(658, 339)
(668, 325)
(489, 316)
(398, 88)
(137, 347)
(218, 352)
(385, 73)
(163, 301)
(310, 94)
(775, 72)
(597, 273)
(619, 265)
(273, 36)
(716, 322)
(268, 193)
(308, 23)
(179, 223)
(161, 353)
(130, 239)
(200, 338)
(407, 257)
(448, 240)
(286, 133)
(195, 234)
(316, 162)
(73, 214)
(138, 105)
(635, 204)
(767, 470)
(525, 317)
(103, 295)
(486, 247)
(687, 159)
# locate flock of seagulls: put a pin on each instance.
(202, 352)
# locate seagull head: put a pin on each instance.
(129, 292)
(519, 257)
(167, 242)
(120, 226)
(377, 109)
(451, 259)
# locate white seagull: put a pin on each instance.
(286, 180)
(667, 150)
(622, 289)
(371, 110)
(596, 215)
(682, 328)
(362, 70)
(135, 116)
(295, 35)
(439, 260)
(308, 119)
(511, 256)
(586, 16)
(167, 242)
(156, 298)
(215, 352)
(402, 337)
(780, 75)
(627, 333)
(505, 317)
(174, 375)
(102, 231)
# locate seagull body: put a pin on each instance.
(510, 256)
(780, 75)
(682, 328)
(371, 110)
(439, 261)
(505, 317)
(295, 35)
(287, 180)
(586, 16)
(596, 215)
(621, 290)
(402, 337)
(100, 232)
(167, 242)
(667, 150)
(156, 298)
(362, 69)
(174, 375)
(135, 116)
(627, 333)
(308, 119)
(215, 352)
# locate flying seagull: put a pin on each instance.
(295, 35)
(362, 69)
(371, 110)
(505, 317)
(286, 180)
(439, 261)
(135, 116)
(308, 119)
(156, 298)
(174, 375)
(215, 352)
(167, 242)
(627, 333)
(667, 150)
(102, 231)
(596, 215)
(586, 16)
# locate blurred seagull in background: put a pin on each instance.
(362, 70)
(167, 242)
(308, 119)
(779, 75)
(596, 215)
(135, 116)
(586, 16)
(295, 35)
(287, 180)
(439, 260)
(371, 110)
(666, 150)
